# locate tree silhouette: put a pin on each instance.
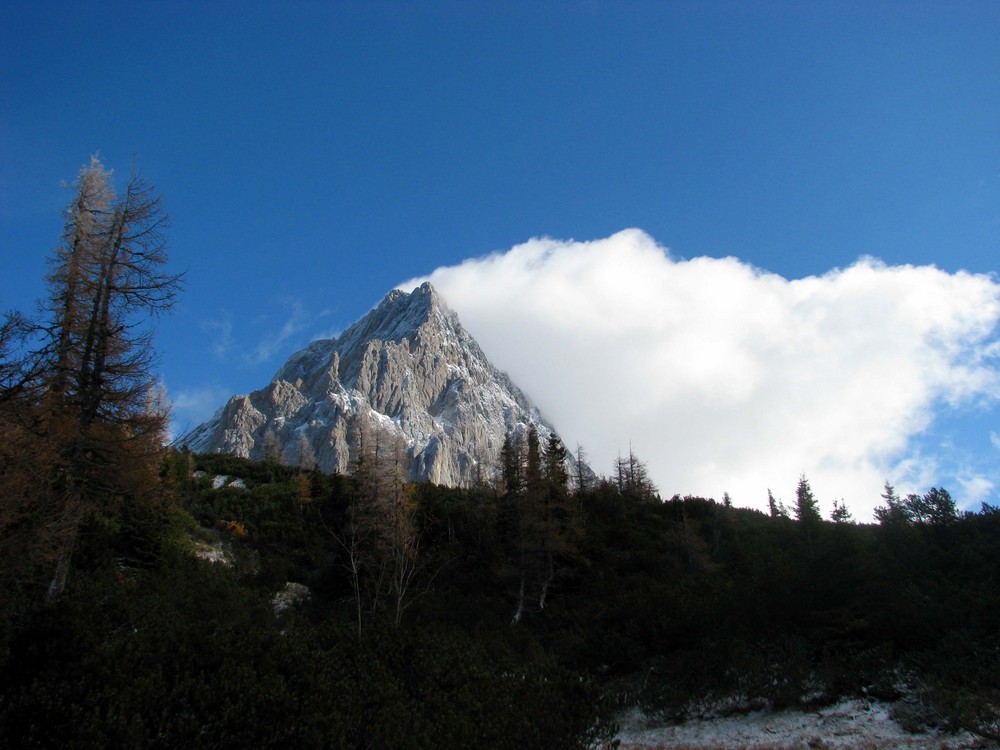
(81, 381)
(806, 507)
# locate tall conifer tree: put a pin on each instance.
(83, 376)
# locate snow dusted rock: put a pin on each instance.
(292, 594)
(849, 725)
(213, 553)
(221, 480)
(409, 371)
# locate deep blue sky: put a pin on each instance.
(313, 155)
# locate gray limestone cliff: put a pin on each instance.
(408, 371)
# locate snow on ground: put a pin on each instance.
(213, 553)
(850, 725)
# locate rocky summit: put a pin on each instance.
(407, 373)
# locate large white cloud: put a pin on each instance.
(724, 377)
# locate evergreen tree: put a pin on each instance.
(895, 510)
(776, 507)
(840, 513)
(510, 465)
(548, 524)
(934, 507)
(806, 507)
(533, 462)
(554, 458)
(580, 470)
(529, 510)
(559, 521)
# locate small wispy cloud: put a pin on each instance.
(975, 489)
(221, 332)
(273, 339)
(327, 333)
(276, 342)
(192, 406)
(232, 344)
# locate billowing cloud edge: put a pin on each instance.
(726, 377)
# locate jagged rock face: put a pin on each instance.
(408, 370)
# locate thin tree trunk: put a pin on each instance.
(356, 582)
(520, 603)
(61, 574)
(549, 575)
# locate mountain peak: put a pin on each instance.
(424, 295)
(408, 370)
(423, 301)
(400, 315)
(424, 291)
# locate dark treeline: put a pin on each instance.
(517, 615)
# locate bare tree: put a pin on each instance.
(16, 371)
(399, 532)
(272, 447)
(85, 382)
(301, 454)
(381, 538)
(633, 480)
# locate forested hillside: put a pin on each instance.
(517, 615)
